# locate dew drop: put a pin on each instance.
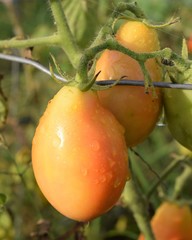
(117, 183)
(102, 170)
(96, 181)
(58, 139)
(95, 146)
(112, 163)
(109, 176)
(102, 179)
(84, 172)
(128, 178)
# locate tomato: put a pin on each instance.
(172, 222)
(189, 44)
(178, 114)
(79, 155)
(136, 110)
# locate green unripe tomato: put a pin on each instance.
(178, 113)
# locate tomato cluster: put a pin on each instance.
(79, 151)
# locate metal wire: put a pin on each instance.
(141, 83)
(102, 83)
(30, 62)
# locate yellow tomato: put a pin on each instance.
(136, 110)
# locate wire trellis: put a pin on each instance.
(122, 82)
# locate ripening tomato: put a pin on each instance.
(136, 110)
(79, 155)
(172, 222)
(189, 44)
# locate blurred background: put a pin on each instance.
(24, 213)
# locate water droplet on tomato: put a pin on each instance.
(117, 183)
(109, 176)
(112, 163)
(102, 170)
(96, 181)
(60, 137)
(128, 178)
(95, 146)
(102, 179)
(84, 171)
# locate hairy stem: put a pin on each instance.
(107, 28)
(181, 181)
(110, 44)
(138, 206)
(66, 38)
(24, 43)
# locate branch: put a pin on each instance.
(67, 41)
(25, 43)
(141, 58)
(137, 204)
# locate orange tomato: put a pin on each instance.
(189, 44)
(136, 110)
(172, 222)
(79, 155)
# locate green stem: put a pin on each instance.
(107, 28)
(15, 43)
(111, 44)
(137, 204)
(66, 38)
(181, 181)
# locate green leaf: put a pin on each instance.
(84, 18)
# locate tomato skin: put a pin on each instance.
(189, 44)
(79, 155)
(172, 222)
(136, 110)
(178, 114)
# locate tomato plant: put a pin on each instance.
(135, 109)
(79, 155)
(172, 222)
(79, 151)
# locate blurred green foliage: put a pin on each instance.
(28, 90)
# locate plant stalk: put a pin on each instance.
(67, 40)
(138, 206)
(31, 42)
